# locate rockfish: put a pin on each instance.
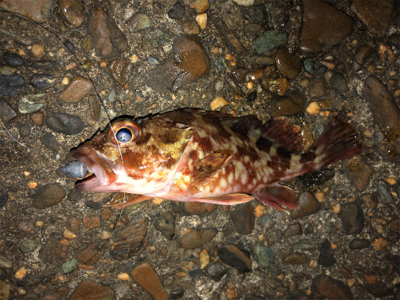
(205, 156)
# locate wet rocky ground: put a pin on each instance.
(68, 67)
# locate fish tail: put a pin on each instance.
(338, 141)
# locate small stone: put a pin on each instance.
(313, 108)
(52, 251)
(240, 74)
(293, 230)
(77, 89)
(69, 266)
(264, 60)
(339, 83)
(359, 244)
(380, 244)
(91, 222)
(259, 210)
(359, 172)
(370, 279)
(255, 74)
(42, 81)
(121, 70)
(308, 205)
(72, 10)
(89, 290)
(7, 70)
(48, 195)
(217, 103)
(328, 287)
(65, 123)
(236, 258)
(194, 208)
(202, 21)
(197, 237)
(10, 84)
(352, 218)
(263, 255)
(379, 289)
(291, 103)
(123, 276)
(148, 279)
(244, 2)
(305, 245)
(309, 65)
(370, 200)
(216, 271)
(361, 56)
(295, 259)
(384, 195)
(346, 274)
(317, 88)
(165, 223)
(27, 105)
(69, 235)
(37, 118)
(191, 27)
(139, 22)
(5, 262)
(13, 60)
(91, 254)
(29, 245)
(204, 258)
(243, 218)
(50, 142)
(38, 11)
(177, 11)
(3, 200)
(395, 225)
(201, 6)
(269, 40)
(44, 64)
(21, 272)
(326, 257)
(287, 64)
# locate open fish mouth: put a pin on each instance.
(89, 160)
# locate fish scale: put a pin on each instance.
(204, 156)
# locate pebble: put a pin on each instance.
(50, 142)
(384, 195)
(305, 245)
(53, 251)
(177, 11)
(235, 257)
(65, 123)
(27, 105)
(287, 64)
(29, 245)
(338, 82)
(77, 89)
(69, 265)
(72, 10)
(269, 40)
(13, 60)
(264, 60)
(244, 2)
(326, 256)
(352, 218)
(218, 103)
(48, 195)
(395, 225)
(94, 107)
(42, 81)
(108, 39)
(4, 261)
(202, 21)
(21, 272)
(91, 222)
(201, 6)
(370, 200)
(308, 205)
(216, 271)
(380, 244)
(243, 218)
(317, 88)
(89, 289)
(291, 103)
(204, 258)
(191, 27)
(131, 240)
(324, 286)
(7, 70)
(148, 279)
(121, 70)
(254, 74)
(10, 84)
(165, 223)
(359, 172)
(138, 22)
(252, 96)
(361, 56)
(376, 15)
(293, 230)
(359, 244)
(313, 108)
(194, 208)
(240, 74)
(309, 65)
(263, 255)
(36, 10)
(197, 237)
(90, 255)
(324, 26)
(3, 200)
(395, 40)
(156, 38)
(295, 259)
(379, 289)
(44, 64)
(121, 289)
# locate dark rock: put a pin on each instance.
(317, 178)
(197, 237)
(94, 107)
(375, 15)
(176, 294)
(91, 222)
(359, 172)
(165, 223)
(121, 70)
(53, 252)
(370, 200)
(287, 64)
(236, 258)
(90, 290)
(264, 60)
(48, 195)
(72, 11)
(3, 200)
(91, 254)
(309, 65)
(251, 97)
(346, 273)
(11, 84)
(263, 255)
(216, 271)
(322, 70)
(352, 218)
(326, 257)
(293, 230)
(323, 26)
(243, 218)
(194, 208)
(269, 40)
(266, 221)
(324, 286)
(295, 259)
(138, 22)
(359, 244)
(108, 39)
(383, 193)
(256, 14)
(42, 81)
(395, 225)
(65, 123)
(362, 54)
(149, 280)
(50, 142)
(25, 130)
(291, 103)
(6, 112)
(131, 240)
(395, 40)
(379, 289)
(317, 88)
(338, 82)
(44, 64)
(308, 205)
(305, 245)
(177, 11)
(240, 74)
(13, 60)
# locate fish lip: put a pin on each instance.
(103, 175)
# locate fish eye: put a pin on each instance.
(124, 135)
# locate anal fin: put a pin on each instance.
(122, 200)
(276, 195)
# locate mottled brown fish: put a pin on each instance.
(204, 156)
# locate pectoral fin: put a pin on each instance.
(122, 200)
(274, 195)
(231, 199)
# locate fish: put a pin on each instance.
(207, 156)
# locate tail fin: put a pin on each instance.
(337, 142)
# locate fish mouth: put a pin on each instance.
(103, 174)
